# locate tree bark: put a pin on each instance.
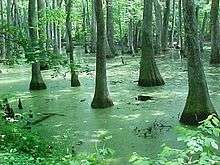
(8, 37)
(164, 35)
(93, 41)
(101, 97)
(41, 7)
(74, 75)
(158, 19)
(55, 31)
(130, 37)
(198, 104)
(214, 19)
(2, 36)
(110, 27)
(202, 34)
(149, 73)
(84, 25)
(173, 23)
(37, 82)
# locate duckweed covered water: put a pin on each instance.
(81, 124)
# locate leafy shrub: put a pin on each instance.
(201, 147)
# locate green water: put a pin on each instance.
(81, 123)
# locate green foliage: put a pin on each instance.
(14, 137)
(201, 147)
(21, 146)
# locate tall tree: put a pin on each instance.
(173, 22)
(2, 36)
(110, 26)
(101, 97)
(84, 26)
(93, 29)
(215, 52)
(149, 73)
(198, 104)
(37, 82)
(180, 35)
(158, 20)
(131, 37)
(74, 76)
(164, 35)
(203, 28)
(55, 32)
(9, 22)
(41, 8)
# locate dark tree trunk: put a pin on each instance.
(214, 19)
(8, 37)
(101, 97)
(149, 73)
(84, 27)
(136, 36)
(198, 104)
(158, 19)
(110, 27)
(130, 37)
(37, 82)
(93, 30)
(173, 23)
(202, 35)
(55, 31)
(164, 35)
(180, 41)
(74, 76)
(2, 36)
(41, 6)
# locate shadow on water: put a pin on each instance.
(81, 124)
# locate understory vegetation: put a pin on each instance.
(20, 145)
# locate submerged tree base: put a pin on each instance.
(151, 83)
(37, 86)
(74, 79)
(215, 61)
(75, 83)
(102, 103)
(194, 119)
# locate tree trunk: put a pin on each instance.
(164, 35)
(37, 82)
(110, 27)
(108, 51)
(93, 30)
(2, 36)
(59, 5)
(130, 37)
(8, 37)
(180, 40)
(74, 75)
(55, 36)
(136, 36)
(101, 97)
(198, 104)
(41, 6)
(214, 19)
(173, 24)
(158, 19)
(202, 34)
(84, 27)
(149, 73)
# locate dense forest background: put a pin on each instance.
(115, 78)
